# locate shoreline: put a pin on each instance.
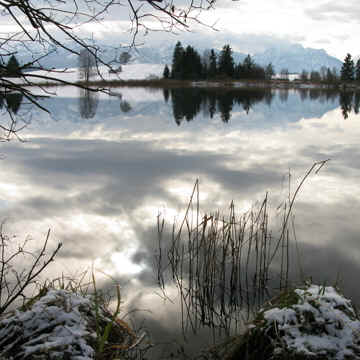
(228, 84)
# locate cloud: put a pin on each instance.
(116, 32)
(206, 39)
(334, 11)
(323, 41)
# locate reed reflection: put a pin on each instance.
(224, 265)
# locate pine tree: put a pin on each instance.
(13, 67)
(166, 73)
(315, 76)
(357, 70)
(347, 69)
(269, 72)
(329, 76)
(192, 66)
(304, 76)
(198, 66)
(213, 64)
(87, 65)
(226, 61)
(250, 70)
(177, 61)
(258, 73)
(205, 61)
(248, 65)
(335, 74)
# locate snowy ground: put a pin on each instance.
(129, 72)
(61, 324)
(323, 322)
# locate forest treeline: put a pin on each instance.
(349, 72)
(188, 64)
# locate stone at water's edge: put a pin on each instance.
(313, 322)
(59, 325)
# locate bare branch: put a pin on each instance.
(13, 283)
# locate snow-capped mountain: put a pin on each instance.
(294, 57)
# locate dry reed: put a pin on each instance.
(222, 264)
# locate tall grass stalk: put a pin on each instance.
(222, 264)
(102, 332)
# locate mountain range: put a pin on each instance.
(294, 57)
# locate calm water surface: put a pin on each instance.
(99, 170)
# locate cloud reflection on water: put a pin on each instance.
(99, 183)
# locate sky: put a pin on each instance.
(317, 24)
(249, 26)
(252, 25)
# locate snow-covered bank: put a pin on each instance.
(129, 72)
(61, 324)
(312, 322)
(321, 322)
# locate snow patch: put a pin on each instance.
(322, 322)
(55, 322)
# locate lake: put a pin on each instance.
(100, 170)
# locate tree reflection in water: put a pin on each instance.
(10, 104)
(89, 100)
(187, 103)
(125, 106)
(88, 103)
(13, 102)
(349, 101)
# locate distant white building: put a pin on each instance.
(289, 77)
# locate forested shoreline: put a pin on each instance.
(188, 64)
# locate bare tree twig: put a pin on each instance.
(13, 282)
